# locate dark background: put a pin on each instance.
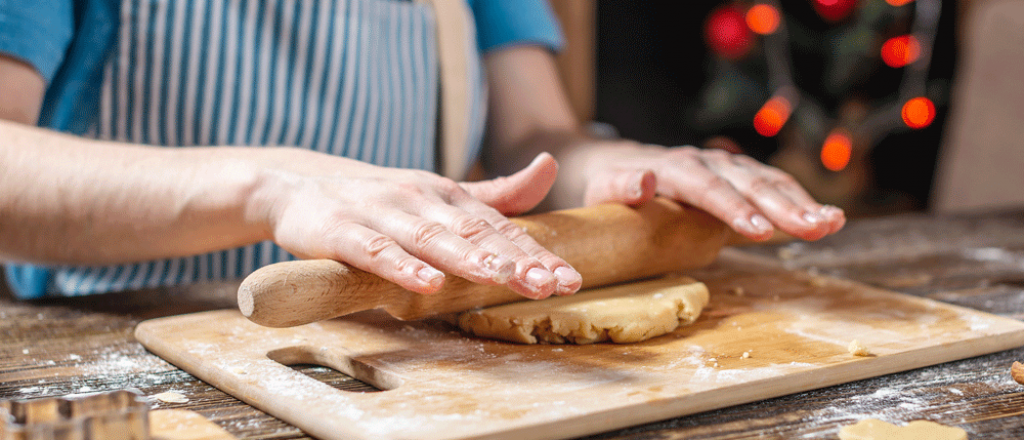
(652, 63)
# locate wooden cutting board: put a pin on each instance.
(441, 384)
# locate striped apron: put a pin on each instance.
(355, 78)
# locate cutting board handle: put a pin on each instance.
(607, 244)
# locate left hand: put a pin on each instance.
(752, 197)
(529, 113)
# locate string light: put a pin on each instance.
(834, 10)
(918, 112)
(727, 34)
(772, 116)
(898, 3)
(763, 19)
(837, 149)
(900, 51)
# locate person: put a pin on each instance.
(305, 129)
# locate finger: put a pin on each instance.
(446, 246)
(484, 226)
(832, 217)
(690, 181)
(768, 192)
(379, 254)
(836, 217)
(788, 215)
(631, 187)
(520, 192)
(567, 278)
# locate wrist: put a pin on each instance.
(590, 157)
(263, 185)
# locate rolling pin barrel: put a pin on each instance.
(607, 244)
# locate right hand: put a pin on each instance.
(409, 226)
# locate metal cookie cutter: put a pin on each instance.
(117, 415)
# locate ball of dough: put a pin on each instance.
(625, 313)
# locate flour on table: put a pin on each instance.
(873, 429)
(625, 313)
(171, 397)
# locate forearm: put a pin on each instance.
(529, 114)
(72, 200)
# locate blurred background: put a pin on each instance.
(866, 102)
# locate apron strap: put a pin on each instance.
(453, 46)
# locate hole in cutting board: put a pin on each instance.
(335, 378)
(338, 371)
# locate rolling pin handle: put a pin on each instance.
(300, 292)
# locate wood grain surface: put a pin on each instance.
(764, 334)
(59, 347)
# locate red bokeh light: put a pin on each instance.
(772, 116)
(837, 149)
(727, 34)
(763, 19)
(834, 10)
(918, 112)
(900, 51)
(898, 2)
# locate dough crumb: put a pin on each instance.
(1017, 372)
(857, 349)
(238, 370)
(818, 282)
(170, 397)
(746, 355)
(873, 429)
(713, 360)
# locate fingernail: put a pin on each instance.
(569, 280)
(760, 223)
(431, 276)
(637, 186)
(813, 218)
(538, 277)
(501, 269)
(756, 224)
(831, 210)
(744, 225)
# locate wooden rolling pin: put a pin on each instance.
(607, 244)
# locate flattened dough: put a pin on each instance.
(872, 429)
(626, 313)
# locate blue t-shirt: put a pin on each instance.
(112, 66)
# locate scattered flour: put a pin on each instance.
(170, 397)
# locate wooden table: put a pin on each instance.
(82, 345)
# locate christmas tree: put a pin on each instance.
(840, 107)
(843, 94)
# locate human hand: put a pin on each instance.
(752, 197)
(408, 226)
